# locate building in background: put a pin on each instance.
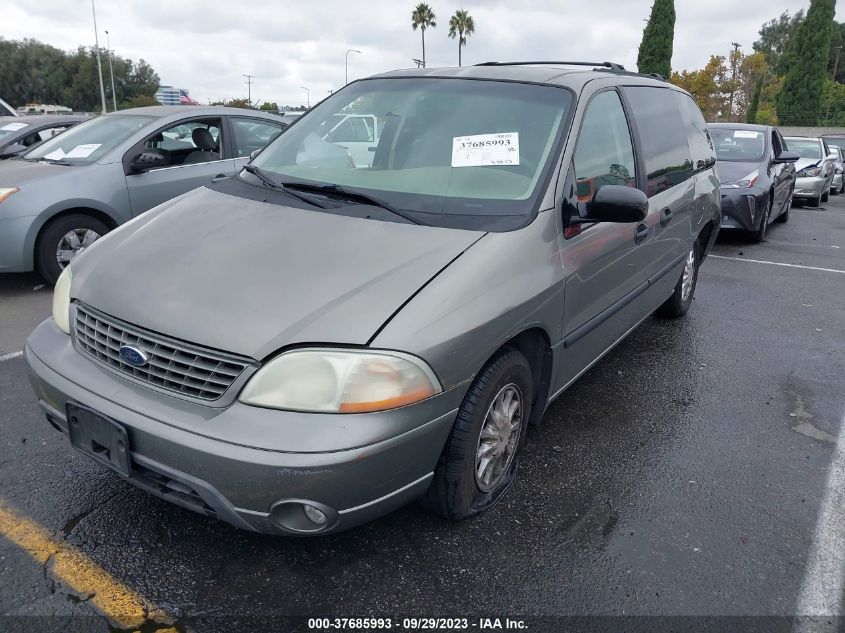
(168, 95)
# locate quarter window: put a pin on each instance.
(605, 154)
(663, 136)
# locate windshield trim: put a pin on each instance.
(535, 203)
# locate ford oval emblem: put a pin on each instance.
(132, 356)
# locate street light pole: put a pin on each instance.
(736, 46)
(307, 96)
(99, 66)
(351, 50)
(111, 72)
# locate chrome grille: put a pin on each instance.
(172, 366)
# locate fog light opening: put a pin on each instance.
(303, 516)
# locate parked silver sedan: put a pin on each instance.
(67, 192)
(815, 170)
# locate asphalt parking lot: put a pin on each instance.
(684, 475)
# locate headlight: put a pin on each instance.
(5, 192)
(744, 182)
(810, 172)
(61, 301)
(340, 381)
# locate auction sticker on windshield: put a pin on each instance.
(481, 150)
(83, 151)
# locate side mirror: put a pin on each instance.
(254, 153)
(145, 161)
(14, 148)
(787, 157)
(617, 203)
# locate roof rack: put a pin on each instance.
(609, 65)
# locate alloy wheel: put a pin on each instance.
(688, 276)
(72, 243)
(497, 442)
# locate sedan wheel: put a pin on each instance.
(63, 239)
(760, 233)
(497, 442)
(681, 299)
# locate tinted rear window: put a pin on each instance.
(700, 140)
(663, 136)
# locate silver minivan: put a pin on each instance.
(72, 189)
(316, 342)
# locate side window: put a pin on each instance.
(605, 154)
(252, 134)
(51, 132)
(663, 135)
(701, 148)
(188, 142)
(351, 130)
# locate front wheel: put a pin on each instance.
(681, 299)
(783, 218)
(479, 462)
(760, 233)
(63, 239)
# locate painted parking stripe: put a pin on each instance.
(121, 605)
(824, 578)
(760, 261)
(10, 356)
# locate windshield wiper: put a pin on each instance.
(340, 191)
(269, 182)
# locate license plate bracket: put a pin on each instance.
(99, 437)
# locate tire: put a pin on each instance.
(758, 235)
(677, 305)
(52, 235)
(783, 218)
(456, 492)
(825, 196)
(814, 202)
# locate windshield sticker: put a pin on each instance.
(482, 150)
(746, 134)
(83, 151)
(11, 127)
(58, 154)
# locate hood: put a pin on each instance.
(16, 173)
(729, 171)
(806, 162)
(250, 277)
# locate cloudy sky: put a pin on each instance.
(207, 46)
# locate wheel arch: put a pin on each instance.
(106, 216)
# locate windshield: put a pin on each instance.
(8, 129)
(88, 141)
(806, 148)
(432, 146)
(734, 144)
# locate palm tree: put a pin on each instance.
(423, 18)
(462, 25)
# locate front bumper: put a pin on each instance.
(226, 479)
(742, 208)
(810, 187)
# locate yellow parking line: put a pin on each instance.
(120, 604)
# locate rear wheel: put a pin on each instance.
(681, 299)
(63, 239)
(479, 462)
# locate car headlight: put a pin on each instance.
(5, 192)
(744, 182)
(810, 172)
(340, 381)
(61, 300)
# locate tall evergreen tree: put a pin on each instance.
(751, 115)
(805, 61)
(655, 54)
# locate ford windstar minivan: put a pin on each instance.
(332, 334)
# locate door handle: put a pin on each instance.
(641, 233)
(665, 217)
(219, 177)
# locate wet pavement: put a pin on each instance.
(681, 476)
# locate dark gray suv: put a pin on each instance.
(334, 333)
